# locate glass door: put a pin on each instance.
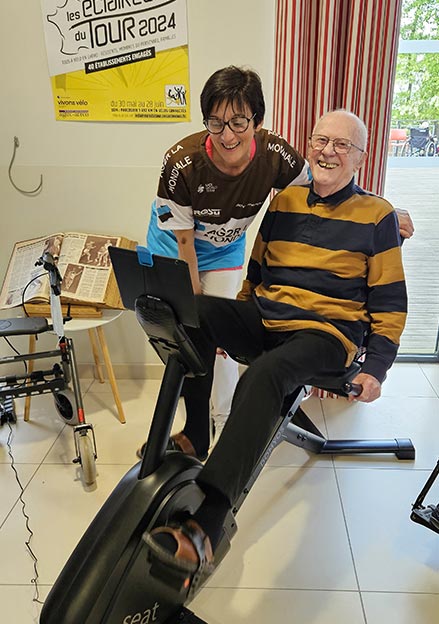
(412, 177)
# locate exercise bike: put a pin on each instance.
(111, 576)
(61, 380)
(428, 515)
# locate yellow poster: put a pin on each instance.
(118, 60)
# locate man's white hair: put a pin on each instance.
(360, 126)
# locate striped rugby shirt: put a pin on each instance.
(193, 193)
(332, 264)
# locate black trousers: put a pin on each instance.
(281, 362)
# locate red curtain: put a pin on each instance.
(337, 54)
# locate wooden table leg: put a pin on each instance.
(110, 372)
(30, 368)
(94, 348)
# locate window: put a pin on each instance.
(412, 178)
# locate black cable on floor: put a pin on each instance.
(34, 580)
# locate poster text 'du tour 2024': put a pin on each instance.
(118, 60)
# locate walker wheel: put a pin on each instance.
(87, 459)
(65, 406)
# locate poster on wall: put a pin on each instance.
(118, 60)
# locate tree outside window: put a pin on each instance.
(416, 94)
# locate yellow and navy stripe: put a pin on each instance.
(332, 264)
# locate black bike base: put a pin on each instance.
(186, 617)
(422, 515)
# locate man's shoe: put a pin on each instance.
(181, 556)
(177, 442)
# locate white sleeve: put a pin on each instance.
(173, 216)
(304, 176)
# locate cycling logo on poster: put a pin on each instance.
(118, 60)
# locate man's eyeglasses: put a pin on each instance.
(238, 124)
(341, 146)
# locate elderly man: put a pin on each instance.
(325, 271)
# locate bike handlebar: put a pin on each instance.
(352, 389)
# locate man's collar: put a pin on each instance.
(335, 199)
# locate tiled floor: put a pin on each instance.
(320, 541)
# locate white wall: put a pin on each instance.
(101, 177)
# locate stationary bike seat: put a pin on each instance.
(23, 326)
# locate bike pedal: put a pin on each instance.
(177, 580)
(423, 516)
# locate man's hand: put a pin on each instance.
(371, 388)
(406, 227)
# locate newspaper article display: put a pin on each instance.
(84, 264)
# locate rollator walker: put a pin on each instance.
(61, 380)
(112, 577)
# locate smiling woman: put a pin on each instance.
(203, 209)
(231, 143)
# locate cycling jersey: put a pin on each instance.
(194, 194)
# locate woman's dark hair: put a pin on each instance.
(234, 86)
